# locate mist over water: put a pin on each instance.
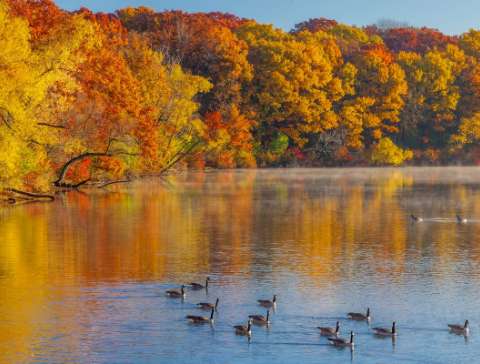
(82, 279)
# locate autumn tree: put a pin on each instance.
(468, 81)
(373, 87)
(385, 152)
(468, 134)
(204, 45)
(352, 40)
(201, 44)
(43, 16)
(173, 128)
(227, 20)
(229, 140)
(410, 39)
(375, 108)
(294, 84)
(433, 96)
(103, 110)
(314, 25)
(33, 69)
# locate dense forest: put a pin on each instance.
(97, 98)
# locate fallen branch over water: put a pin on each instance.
(31, 194)
(70, 185)
(16, 197)
(106, 184)
(60, 182)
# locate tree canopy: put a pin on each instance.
(89, 97)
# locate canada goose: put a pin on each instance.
(459, 329)
(416, 218)
(200, 319)
(380, 331)
(268, 303)
(461, 220)
(338, 341)
(208, 306)
(260, 319)
(198, 286)
(244, 330)
(175, 293)
(330, 331)
(356, 316)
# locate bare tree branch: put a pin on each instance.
(106, 184)
(63, 171)
(179, 156)
(51, 125)
(31, 194)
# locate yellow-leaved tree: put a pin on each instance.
(380, 88)
(468, 132)
(433, 95)
(294, 84)
(386, 152)
(375, 86)
(171, 128)
(29, 75)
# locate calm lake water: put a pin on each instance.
(82, 280)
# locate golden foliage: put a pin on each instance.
(385, 152)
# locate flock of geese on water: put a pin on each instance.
(331, 333)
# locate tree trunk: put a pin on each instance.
(63, 171)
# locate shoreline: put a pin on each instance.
(14, 197)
